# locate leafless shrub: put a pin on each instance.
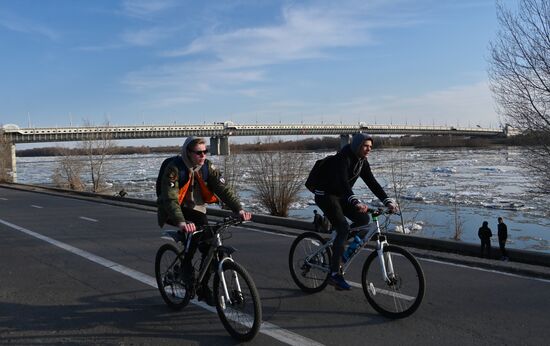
(400, 179)
(98, 147)
(459, 223)
(68, 172)
(278, 178)
(520, 79)
(232, 170)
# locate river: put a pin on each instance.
(438, 187)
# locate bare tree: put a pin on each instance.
(400, 179)
(520, 78)
(277, 177)
(98, 148)
(68, 172)
(232, 171)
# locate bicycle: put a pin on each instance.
(394, 288)
(237, 299)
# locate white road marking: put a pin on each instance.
(36, 206)
(270, 329)
(87, 218)
(3, 199)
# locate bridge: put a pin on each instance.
(219, 133)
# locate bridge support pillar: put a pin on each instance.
(12, 164)
(224, 146)
(344, 140)
(215, 145)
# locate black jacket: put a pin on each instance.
(340, 173)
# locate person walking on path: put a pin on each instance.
(317, 221)
(484, 233)
(502, 236)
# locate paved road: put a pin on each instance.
(79, 272)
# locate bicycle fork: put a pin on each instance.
(226, 295)
(386, 264)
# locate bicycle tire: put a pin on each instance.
(402, 296)
(242, 316)
(307, 278)
(169, 276)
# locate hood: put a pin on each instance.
(357, 140)
(186, 143)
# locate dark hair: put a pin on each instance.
(485, 223)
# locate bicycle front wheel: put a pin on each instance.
(309, 264)
(401, 293)
(239, 307)
(170, 277)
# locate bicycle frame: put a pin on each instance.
(373, 231)
(216, 248)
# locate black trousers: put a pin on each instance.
(336, 210)
(198, 241)
(486, 246)
(502, 245)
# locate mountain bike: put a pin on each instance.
(236, 297)
(391, 278)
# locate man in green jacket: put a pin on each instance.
(188, 183)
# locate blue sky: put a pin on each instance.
(188, 62)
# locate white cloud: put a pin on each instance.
(144, 37)
(15, 23)
(221, 62)
(145, 8)
(466, 104)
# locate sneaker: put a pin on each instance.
(205, 294)
(338, 282)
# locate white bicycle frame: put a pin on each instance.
(384, 259)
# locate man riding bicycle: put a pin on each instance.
(188, 182)
(335, 197)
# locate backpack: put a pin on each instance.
(315, 175)
(204, 171)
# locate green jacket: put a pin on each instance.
(175, 175)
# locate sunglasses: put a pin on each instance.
(200, 152)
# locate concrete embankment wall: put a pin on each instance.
(295, 227)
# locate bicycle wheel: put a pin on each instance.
(402, 294)
(241, 314)
(310, 275)
(170, 278)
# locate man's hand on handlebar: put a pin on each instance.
(245, 215)
(393, 208)
(362, 207)
(187, 227)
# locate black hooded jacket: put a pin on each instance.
(341, 171)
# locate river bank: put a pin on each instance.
(481, 184)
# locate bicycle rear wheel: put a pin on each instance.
(170, 277)
(402, 294)
(310, 274)
(241, 314)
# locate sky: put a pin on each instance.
(134, 62)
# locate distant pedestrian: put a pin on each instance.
(502, 236)
(484, 233)
(317, 221)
